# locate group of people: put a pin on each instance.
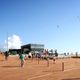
(22, 56)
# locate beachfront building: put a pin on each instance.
(32, 47)
(14, 51)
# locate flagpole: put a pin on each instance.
(7, 41)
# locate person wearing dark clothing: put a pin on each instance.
(6, 55)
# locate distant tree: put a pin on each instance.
(76, 54)
(56, 53)
(65, 54)
(51, 50)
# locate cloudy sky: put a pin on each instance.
(13, 42)
(54, 23)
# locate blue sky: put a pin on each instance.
(54, 23)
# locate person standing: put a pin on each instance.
(22, 58)
(6, 55)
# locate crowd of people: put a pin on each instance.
(23, 56)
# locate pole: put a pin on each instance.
(7, 41)
(62, 66)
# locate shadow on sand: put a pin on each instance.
(10, 66)
(72, 79)
(52, 71)
(2, 60)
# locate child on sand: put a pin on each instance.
(22, 57)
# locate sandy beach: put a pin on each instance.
(39, 70)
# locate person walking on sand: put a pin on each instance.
(22, 58)
(6, 55)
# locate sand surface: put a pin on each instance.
(39, 70)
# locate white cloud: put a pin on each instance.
(13, 42)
